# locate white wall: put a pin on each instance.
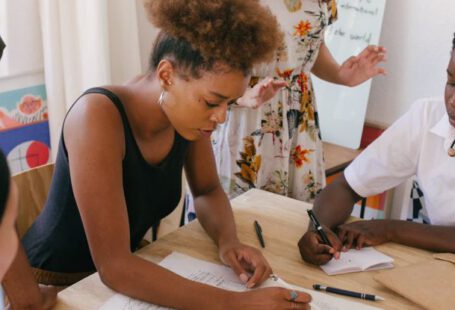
(418, 35)
(147, 34)
(22, 60)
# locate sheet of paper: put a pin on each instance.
(223, 277)
(358, 260)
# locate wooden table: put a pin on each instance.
(337, 157)
(283, 220)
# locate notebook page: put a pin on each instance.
(358, 260)
(223, 277)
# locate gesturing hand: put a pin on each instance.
(357, 69)
(261, 93)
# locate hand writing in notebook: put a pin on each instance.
(315, 251)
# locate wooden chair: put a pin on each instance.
(33, 186)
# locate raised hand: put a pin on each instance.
(357, 69)
(261, 93)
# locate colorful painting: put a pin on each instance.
(24, 128)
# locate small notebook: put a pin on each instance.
(354, 260)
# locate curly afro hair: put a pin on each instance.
(196, 34)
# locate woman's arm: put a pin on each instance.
(215, 214)
(21, 288)
(354, 71)
(95, 150)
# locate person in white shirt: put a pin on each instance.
(421, 144)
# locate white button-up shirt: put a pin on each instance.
(416, 144)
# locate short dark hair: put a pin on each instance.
(4, 183)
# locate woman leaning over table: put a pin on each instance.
(273, 142)
(122, 151)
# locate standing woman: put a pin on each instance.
(277, 146)
(122, 151)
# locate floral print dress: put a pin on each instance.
(278, 146)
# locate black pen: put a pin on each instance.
(318, 227)
(339, 291)
(258, 229)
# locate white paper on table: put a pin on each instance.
(365, 259)
(223, 277)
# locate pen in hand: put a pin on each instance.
(339, 291)
(318, 228)
(258, 229)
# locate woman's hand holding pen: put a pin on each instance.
(315, 251)
(245, 260)
(270, 298)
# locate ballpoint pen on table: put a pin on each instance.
(258, 229)
(340, 291)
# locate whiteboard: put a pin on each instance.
(342, 109)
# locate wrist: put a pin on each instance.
(341, 79)
(228, 242)
(391, 230)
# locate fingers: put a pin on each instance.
(372, 49)
(361, 242)
(350, 62)
(231, 260)
(350, 238)
(250, 259)
(278, 84)
(313, 250)
(261, 273)
(297, 299)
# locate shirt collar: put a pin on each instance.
(444, 130)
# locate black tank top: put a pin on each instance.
(57, 241)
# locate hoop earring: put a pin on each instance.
(161, 98)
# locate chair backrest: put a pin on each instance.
(33, 186)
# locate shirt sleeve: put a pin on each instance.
(390, 159)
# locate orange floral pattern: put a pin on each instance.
(277, 147)
(299, 155)
(302, 28)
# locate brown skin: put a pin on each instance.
(15, 272)
(334, 205)
(91, 132)
(352, 72)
